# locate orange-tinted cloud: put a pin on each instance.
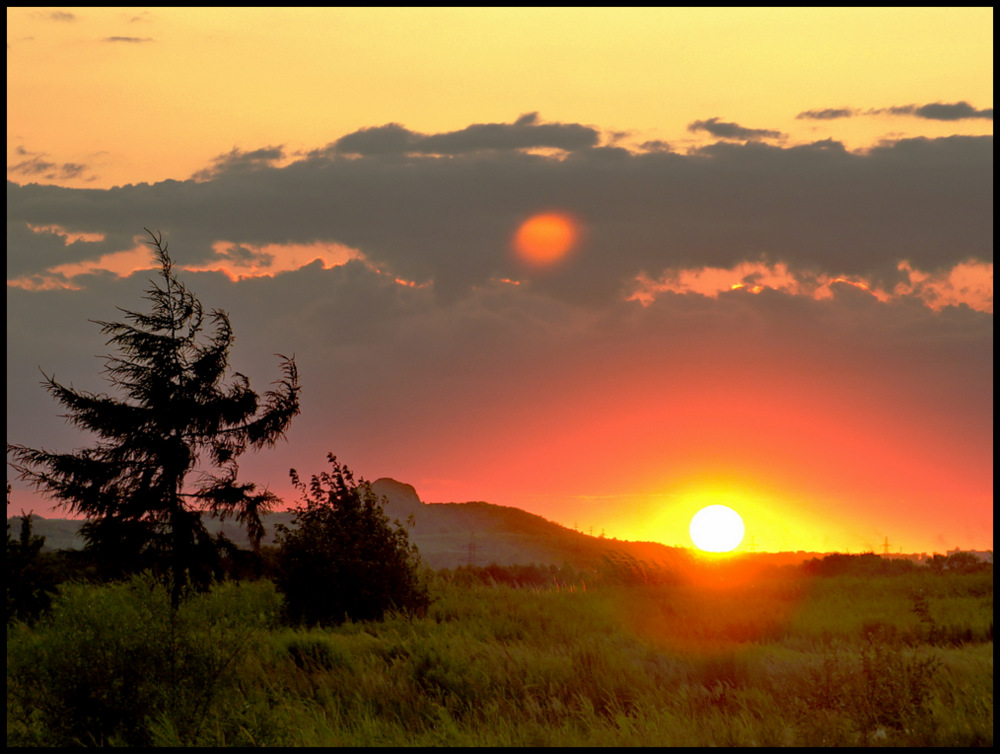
(967, 283)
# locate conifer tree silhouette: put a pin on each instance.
(180, 415)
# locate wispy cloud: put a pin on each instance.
(732, 130)
(36, 166)
(130, 40)
(830, 113)
(57, 15)
(934, 111)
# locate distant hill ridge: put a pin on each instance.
(448, 534)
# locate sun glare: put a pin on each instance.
(717, 528)
(545, 238)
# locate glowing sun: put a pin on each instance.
(545, 238)
(717, 528)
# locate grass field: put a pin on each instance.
(783, 659)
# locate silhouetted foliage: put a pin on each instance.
(30, 580)
(965, 562)
(179, 415)
(344, 559)
(864, 564)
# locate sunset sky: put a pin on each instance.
(608, 266)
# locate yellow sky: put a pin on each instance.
(195, 83)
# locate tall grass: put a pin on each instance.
(783, 661)
(111, 664)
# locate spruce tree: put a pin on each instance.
(175, 412)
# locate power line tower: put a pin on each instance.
(885, 548)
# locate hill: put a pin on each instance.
(454, 534)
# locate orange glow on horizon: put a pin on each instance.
(546, 238)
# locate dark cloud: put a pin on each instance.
(132, 40)
(955, 111)
(449, 220)
(938, 111)
(391, 138)
(45, 244)
(241, 256)
(237, 159)
(827, 114)
(525, 133)
(732, 130)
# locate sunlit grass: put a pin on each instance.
(786, 661)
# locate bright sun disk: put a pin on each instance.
(717, 528)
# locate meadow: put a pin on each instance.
(782, 658)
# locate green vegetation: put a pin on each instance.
(718, 657)
(343, 559)
(117, 664)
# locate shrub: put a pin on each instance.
(344, 559)
(888, 687)
(31, 580)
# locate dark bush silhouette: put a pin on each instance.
(179, 416)
(864, 564)
(343, 559)
(965, 562)
(31, 580)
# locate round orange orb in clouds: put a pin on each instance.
(546, 237)
(717, 528)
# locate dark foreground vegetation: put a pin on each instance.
(520, 656)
